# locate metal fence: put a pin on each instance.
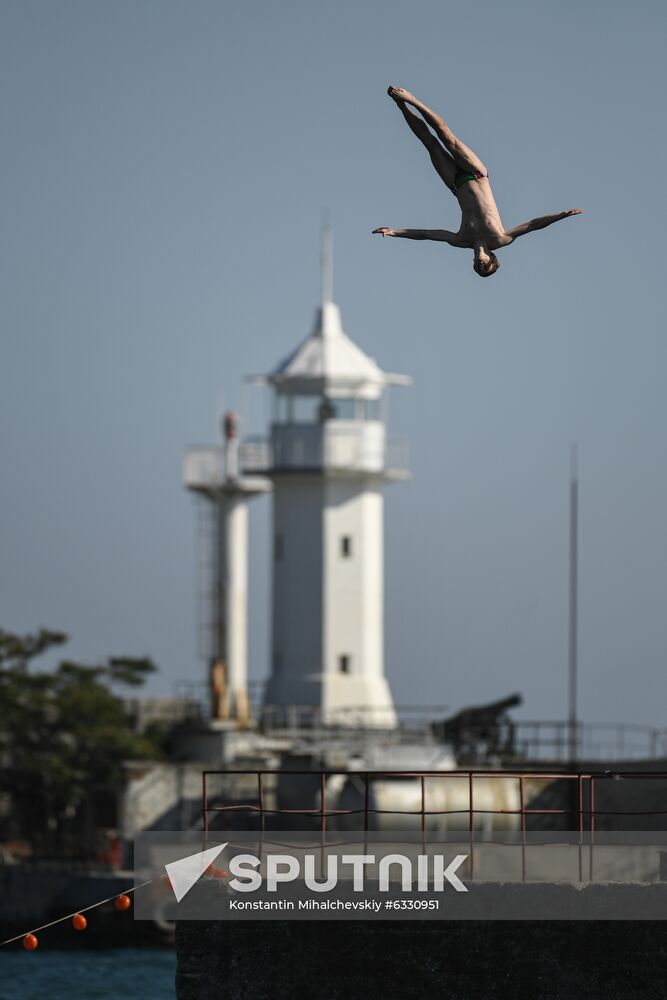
(546, 741)
(584, 812)
(584, 806)
(609, 741)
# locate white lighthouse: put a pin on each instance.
(328, 456)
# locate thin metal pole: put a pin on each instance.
(327, 263)
(423, 801)
(573, 605)
(580, 781)
(522, 803)
(471, 824)
(323, 805)
(260, 792)
(592, 794)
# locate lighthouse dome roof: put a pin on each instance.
(328, 362)
(328, 359)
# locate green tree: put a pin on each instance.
(63, 733)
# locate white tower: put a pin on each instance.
(328, 457)
(214, 474)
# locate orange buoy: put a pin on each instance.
(79, 922)
(123, 902)
(30, 942)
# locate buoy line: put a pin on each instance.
(116, 898)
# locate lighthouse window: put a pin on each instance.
(346, 546)
(344, 664)
(305, 409)
(372, 409)
(282, 408)
(343, 409)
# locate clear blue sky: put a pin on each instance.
(165, 166)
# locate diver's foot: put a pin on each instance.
(384, 231)
(401, 94)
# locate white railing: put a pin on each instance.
(203, 467)
(255, 454)
(312, 447)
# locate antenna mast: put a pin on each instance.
(573, 604)
(327, 264)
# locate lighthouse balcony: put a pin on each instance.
(207, 471)
(328, 447)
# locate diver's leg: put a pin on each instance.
(465, 158)
(440, 158)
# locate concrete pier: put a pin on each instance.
(419, 960)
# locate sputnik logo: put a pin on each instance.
(184, 873)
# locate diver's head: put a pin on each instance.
(486, 263)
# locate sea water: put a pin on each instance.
(118, 973)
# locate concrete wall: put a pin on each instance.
(474, 960)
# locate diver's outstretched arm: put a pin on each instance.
(541, 223)
(440, 235)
